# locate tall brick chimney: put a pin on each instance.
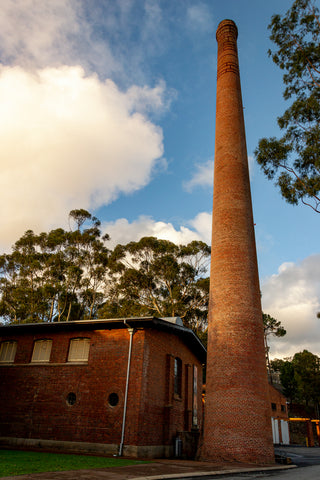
(237, 411)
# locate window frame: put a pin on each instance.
(177, 377)
(10, 354)
(37, 346)
(73, 353)
(195, 397)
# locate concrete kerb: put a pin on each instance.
(230, 471)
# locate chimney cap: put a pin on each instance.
(227, 25)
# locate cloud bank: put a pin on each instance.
(293, 297)
(38, 33)
(67, 139)
(122, 231)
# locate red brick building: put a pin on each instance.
(279, 417)
(124, 386)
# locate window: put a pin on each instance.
(274, 406)
(71, 399)
(8, 351)
(283, 408)
(113, 399)
(41, 351)
(177, 376)
(195, 397)
(79, 350)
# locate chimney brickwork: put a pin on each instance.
(237, 410)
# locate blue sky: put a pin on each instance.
(109, 105)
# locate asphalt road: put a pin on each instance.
(301, 456)
(299, 473)
(307, 461)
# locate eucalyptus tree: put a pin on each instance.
(300, 378)
(158, 277)
(88, 259)
(294, 159)
(287, 377)
(55, 276)
(23, 281)
(64, 275)
(307, 374)
(273, 327)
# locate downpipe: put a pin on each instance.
(131, 332)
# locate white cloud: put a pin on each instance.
(203, 176)
(202, 224)
(199, 18)
(66, 140)
(39, 33)
(293, 297)
(251, 165)
(264, 240)
(152, 26)
(122, 231)
(146, 99)
(34, 33)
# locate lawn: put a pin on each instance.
(17, 462)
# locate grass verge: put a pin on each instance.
(17, 462)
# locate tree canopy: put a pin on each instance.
(293, 160)
(300, 377)
(271, 326)
(157, 277)
(55, 276)
(71, 275)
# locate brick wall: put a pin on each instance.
(33, 399)
(278, 404)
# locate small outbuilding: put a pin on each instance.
(127, 386)
(279, 416)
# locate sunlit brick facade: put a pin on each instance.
(65, 387)
(237, 415)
